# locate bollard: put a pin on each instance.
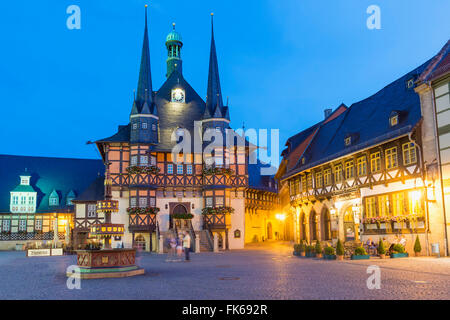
(216, 242)
(161, 244)
(197, 244)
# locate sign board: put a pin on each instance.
(38, 252)
(57, 252)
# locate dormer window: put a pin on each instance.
(303, 160)
(393, 120)
(348, 141)
(410, 83)
(53, 199)
(70, 197)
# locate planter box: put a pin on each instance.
(371, 226)
(382, 226)
(310, 255)
(399, 255)
(329, 257)
(362, 257)
(399, 225)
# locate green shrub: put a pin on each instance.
(310, 249)
(360, 251)
(398, 248)
(296, 247)
(302, 246)
(339, 248)
(318, 247)
(417, 246)
(329, 251)
(381, 249)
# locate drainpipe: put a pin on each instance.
(440, 169)
(426, 193)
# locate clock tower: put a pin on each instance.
(174, 43)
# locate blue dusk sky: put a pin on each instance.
(282, 62)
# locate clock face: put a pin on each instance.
(177, 95)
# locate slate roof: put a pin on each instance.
(258, 181)
(367, 121)
(47, 174)
(95, 191)
(439, 65)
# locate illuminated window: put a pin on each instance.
(303, 183)
(361, 166)
(375, 162)
(144, 125)
(383, 206)
(135, 126)
(391, 158)
(338, 173)
(309, 181)
(348, 141)
(415, 202)
(15, 200)
(349, 173)
(6, 225)
(91, 210)
(219, 201)
(179, 169)
(153, 160)
(170, 168)
(209, 202)
(398, 203)
(327, 177)
(319, 180)
(409, 153)
(133, 161)
(133, 202)
(22, 225)
(152, 202)
(38, 225)
(189, 169)
(142, 202)
(371, 208)
(143, 160)
(23, 200)
(393, 120)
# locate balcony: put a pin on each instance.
(216, 221)
(142, 221)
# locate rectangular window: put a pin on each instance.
(31, 200)
(409, 153)
(303, 180)
(179, 169)
(15, 200)
(291, 187)
(152, 202)
(144, 125)
(219, 201)
(22, 225)
(38, 225)
(23, 200)
(375, 162)
(319, 180)
(133, 161)
(327, 177)
(142, 202)
(135, 126)
(6, 225)
(170, 168)
(394, 120)
(133, 202)
(415, 203)
(349, 173)
(383, 206)
(398, 204)
(189, 169)
(338, 173)
(309, 181)
(153, 160)
(143, 160)
(362, 166)
(371, 208)
(209, 202)
(391, 158)
(91, 210)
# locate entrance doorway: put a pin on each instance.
(177, 209)
(139, 242)
(349, 225)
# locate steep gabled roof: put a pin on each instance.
(368, 120)
(95, 191)
(439, 65)
(63, 175)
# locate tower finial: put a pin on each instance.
(173, 24)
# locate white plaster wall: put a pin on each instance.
(237, 222)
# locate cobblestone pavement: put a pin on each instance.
(267, 271)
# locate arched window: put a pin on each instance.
(326, 225)
(313, 225)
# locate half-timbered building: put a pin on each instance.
(161, 192)
(359, 174)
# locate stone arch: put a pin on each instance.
(325, 223)
(269, 231)
(303, 226)
(313, 226)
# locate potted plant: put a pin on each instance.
(417, 247)
(381, 249)
(360, 254)
(329, 253)
(296, 249)
(302, 248)
(399, 251)
(318, 249)
(310, 251)
(339, 250)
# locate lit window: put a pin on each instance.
(134, 126)
(133, 160)
(22, 225)
(23, 200)
(179, 169)
(393, 120)
(133, 202)
(383, 206)
(6, 225)
(415, 203)
(152, 202)
(153, 161)
(309, 181)
(362, 166)
(303, 160)
(349, 170)
(338, 173)
(348, 141)
(38, 225)
(375, 162)
(15, 200)
(219, 201)
(327, 177)
(189, 169)
(170, 168)
(398, 203)
(391, 158)
(91, 210)
(409, 153)
(371, 209)
(209, 201)
(319, 180)
(144, 125)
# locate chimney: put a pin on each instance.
(327, 112)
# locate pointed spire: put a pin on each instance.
(145, 91)
(214, 92)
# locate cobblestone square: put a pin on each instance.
(268, 271)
